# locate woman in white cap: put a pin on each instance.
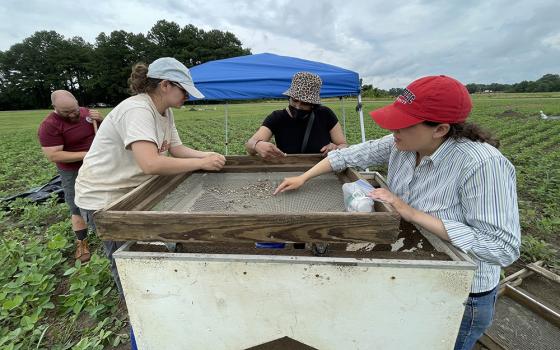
(444, 176)
(134, 139)
(305, 126)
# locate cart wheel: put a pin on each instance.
(319, 249)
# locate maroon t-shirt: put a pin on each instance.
(74, 136)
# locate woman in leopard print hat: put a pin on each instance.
(289, 126)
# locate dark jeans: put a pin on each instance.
(109, 246)
(478, 316)
(68, 179)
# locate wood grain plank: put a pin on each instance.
(544, 272)
(147, 193)
(379, 228)
(301, 159)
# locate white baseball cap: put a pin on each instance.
(168, 68)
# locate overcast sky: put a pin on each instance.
(389, 43)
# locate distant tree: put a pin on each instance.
(40, 64)
(369, 90)
(473, 88)
(165, 40)
(45, 61)
(547, 83)
(191, 45)
(395, 91)
(111, 64)
(366, 87)
(74, 63)
(217, 45)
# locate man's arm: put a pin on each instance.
(56, 154)
(96, 115)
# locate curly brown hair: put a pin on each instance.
(470, 131)
(138, 82)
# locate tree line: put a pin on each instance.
(547, 83)
(98, 73)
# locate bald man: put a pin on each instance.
(66, 135)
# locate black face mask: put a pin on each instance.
(298, 114)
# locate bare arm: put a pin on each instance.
(337, 136)
(292, 183)
(183, 151)
(259, 144)
(338, 141)
(56, 154)
(263, 135)
(152, 163)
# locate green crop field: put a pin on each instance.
(49, 302)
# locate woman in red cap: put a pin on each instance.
(444, 176)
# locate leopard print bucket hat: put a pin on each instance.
(305, 87)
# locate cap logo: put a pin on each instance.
(406, 97)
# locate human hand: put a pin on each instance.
(213, 162)
(268, 150)
(384, 195)
(95, 115)
(289, 184)
(326, 149)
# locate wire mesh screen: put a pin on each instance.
(517, 327)
(252, 193)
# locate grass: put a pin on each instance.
(49, 302)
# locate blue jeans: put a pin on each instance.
(478, 316)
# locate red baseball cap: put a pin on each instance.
(438, 98)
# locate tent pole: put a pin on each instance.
(361, 111)
(226, 126)
(343, 115)
(362, 128)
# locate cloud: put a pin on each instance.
(552, 41)
(388, 44)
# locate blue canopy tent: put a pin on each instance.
(268, 76)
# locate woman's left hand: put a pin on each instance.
(384, 195)
(326, 149)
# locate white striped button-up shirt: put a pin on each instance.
(469, 185)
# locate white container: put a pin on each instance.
(226, 301)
